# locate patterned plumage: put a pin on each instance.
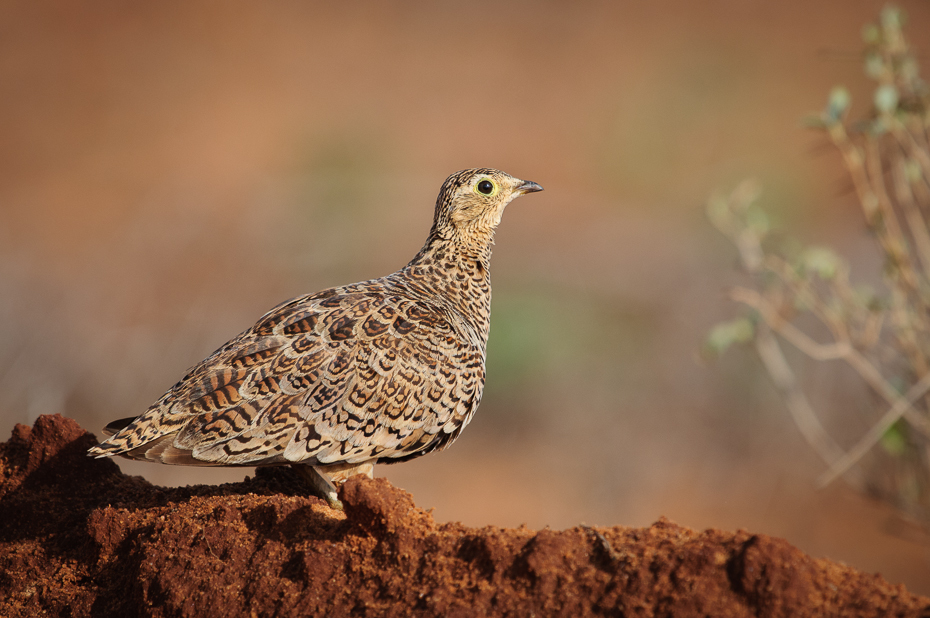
(379, 371)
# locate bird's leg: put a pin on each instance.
(320, 484)
(323, 479)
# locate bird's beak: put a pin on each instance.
(528, 186)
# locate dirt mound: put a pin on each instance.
(78, 538)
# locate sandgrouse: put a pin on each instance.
(380, 371)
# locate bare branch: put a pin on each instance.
(801, 411)
(871, 438)
(915, 220)
(841, 350)
(796, 337)
(916, 151)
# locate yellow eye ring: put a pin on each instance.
(486, 186)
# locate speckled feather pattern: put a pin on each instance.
(379, 371)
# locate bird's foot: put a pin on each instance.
(323, 479)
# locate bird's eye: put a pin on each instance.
(485, 187)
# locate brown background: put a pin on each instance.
(170, 171)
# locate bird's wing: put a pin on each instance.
(335, 377)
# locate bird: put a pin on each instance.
(332, 383)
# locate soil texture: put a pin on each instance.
(79, 538)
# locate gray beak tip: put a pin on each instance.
(529, 186)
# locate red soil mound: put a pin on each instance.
(78, 538)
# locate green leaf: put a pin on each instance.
(894, 441)
(837, 104)
(757, 221)
(892, 17)
(820, 260)
(886, 98)
(725, 334)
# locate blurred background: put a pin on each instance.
(172, 170)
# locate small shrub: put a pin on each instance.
(884, 334)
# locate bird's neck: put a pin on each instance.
(456, 272)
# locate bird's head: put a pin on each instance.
(471, 202)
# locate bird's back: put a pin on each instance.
(375, 371)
